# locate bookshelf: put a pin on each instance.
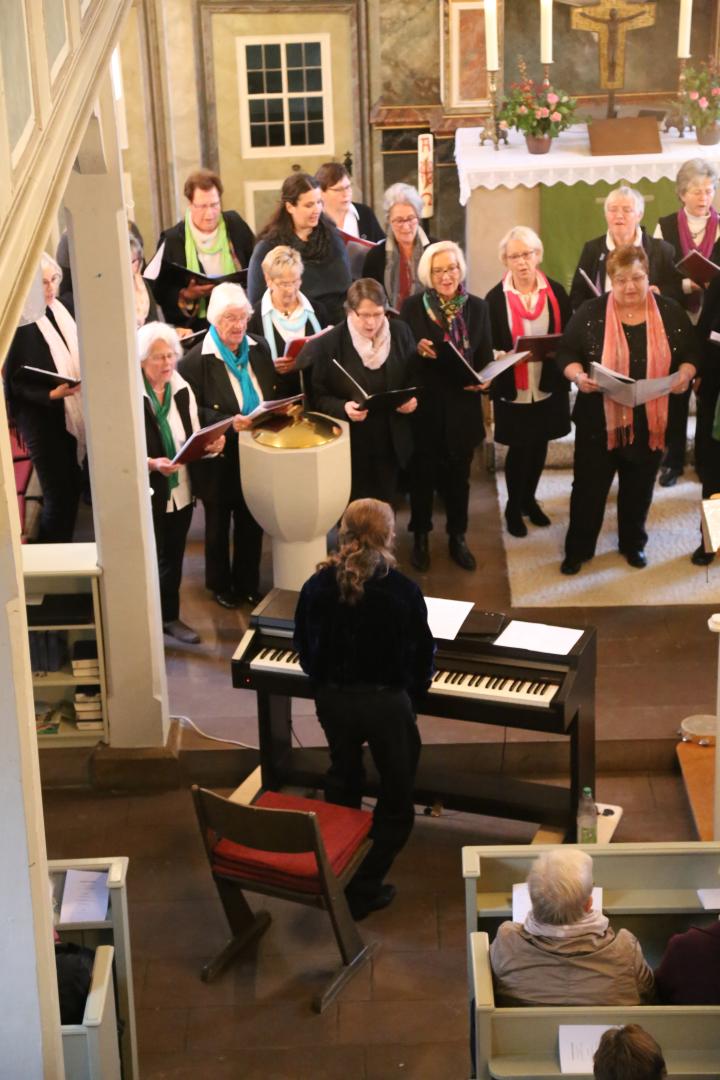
(62, 590)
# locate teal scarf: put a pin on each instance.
(161, 410)
(237, 365)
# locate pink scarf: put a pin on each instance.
(519, 313)
(616, 355)
(708, 241)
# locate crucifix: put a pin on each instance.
(612, 20)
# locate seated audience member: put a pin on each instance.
(379, 354)
(565, 953)
(628, 1053)
(640, 335)
(623, 212)
(209, 240)
(395, 263)
(230, 372)
(298, 222)
(689, 972)
(354, 218)
(695, 227)
(284, 313)
(145, 307)
(171, 416)
(707, 390)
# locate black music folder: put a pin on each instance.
(182, 276)
(51, 379)
(542, 347)
(385, 401)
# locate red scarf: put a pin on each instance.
(520, 313)
(616, 355)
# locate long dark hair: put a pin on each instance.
(367, 532)
(280, 229)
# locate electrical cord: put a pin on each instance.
(213, 738)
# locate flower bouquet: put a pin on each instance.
(539, 111)
(700, 100)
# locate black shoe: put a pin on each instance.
(227, 599)
(179, 630)
(420, 557)
(701, 557)
(461, 553)
(570, 566)
(669, 476)
(251, 598)
(536, 514)
(638, 559)
(515, 524)
(362, 904)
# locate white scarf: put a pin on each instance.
(592, 922)
(373, 352)
(66, 358)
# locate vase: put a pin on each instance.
(538, 144)
(708, 135)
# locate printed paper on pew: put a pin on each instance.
(445, 617)
(85, 897)
(538, 637)
(521, 901)
(578, 1043)
(709, 898)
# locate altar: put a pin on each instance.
(509, 186)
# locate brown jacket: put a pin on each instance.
(591, 969)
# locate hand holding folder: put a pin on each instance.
(385, 401)
(197, 445)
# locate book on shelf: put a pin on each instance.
(48, 651)
(91, 692)
(68, 609)
(89, 725)
(85, 649)
(89, 671)
(85, 707)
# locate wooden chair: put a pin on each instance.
(297, 849)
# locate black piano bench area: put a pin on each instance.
(476, 681)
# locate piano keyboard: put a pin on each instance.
(493, 688)
(286, 661)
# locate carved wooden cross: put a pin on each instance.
(612, 20)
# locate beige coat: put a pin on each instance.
(589, 969)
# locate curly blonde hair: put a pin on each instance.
(367, 535)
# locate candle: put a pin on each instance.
(684, 29)
(546, 52)
(491, 36)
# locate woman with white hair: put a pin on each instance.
(171, 416)
(530, 399)
(231, 372)
(49, 415)
(448, 423)
(394, 262)
(624, 208)
(565, 952)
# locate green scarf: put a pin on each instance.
(161, 411)
(716, 422)
(222, 245)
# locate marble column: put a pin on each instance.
(112, 401)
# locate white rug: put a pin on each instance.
(670, 578)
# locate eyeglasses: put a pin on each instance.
(341, 188)
(233, 320)
(206, 206)
(521, 256)
(161, 356)
(403, 220)
(444, 271)
(366, 316)
(634, 279)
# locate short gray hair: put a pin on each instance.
(151, 332)
(526, 235)
(627, 193)
(695, 169)
(425, 264)
(224, 296)
(402, 193)
(281, 258)
(560, 883)
(48, 263)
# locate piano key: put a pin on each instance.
(494, 688)
(283, 661)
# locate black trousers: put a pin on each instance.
(707, 449)
(385, 720)
(524, 464)
(60, 476)
(374, 477)
(437, 468)
(676, 440)
(593, 471)
(239, 572)
(171, 531)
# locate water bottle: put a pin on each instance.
(587, 816)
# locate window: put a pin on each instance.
(285, 93)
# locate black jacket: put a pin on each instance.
(36, 414)
(368, 225)
(446, 413)
(156, 448)
(327, 281)
(218, 478)
(503, 386)
(165, 289)
(592, 260)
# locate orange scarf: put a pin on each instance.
(616, 356)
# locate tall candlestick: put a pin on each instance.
(546, 49)
(491, 36)
(684, 29)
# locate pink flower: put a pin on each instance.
(715, 91)
(556, 117)
(522, 109)
(552, 99)
(538, 114)
(703, 103)
(544, 113)
(693, 95)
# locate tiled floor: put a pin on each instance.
(406, 1015)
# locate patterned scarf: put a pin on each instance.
(520, 313)
(448, 313)
(221, 246)
(237, 365)
(616, 356)
(394, 270)
(161, 410)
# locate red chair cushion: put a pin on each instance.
(23, 470)
(342, 830)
